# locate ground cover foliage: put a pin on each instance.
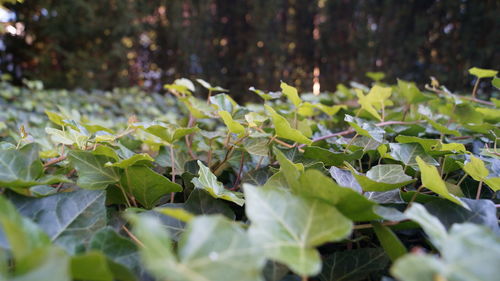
(370, 182)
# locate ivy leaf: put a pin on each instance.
(315, 185)
(478, 171)
(389, 241)
(482, 73)
(283, 128)
(257, 146)
(208, 181)
(291, 93)
(288, 227)
(330, 158)
(410, 92)
(19, 233)
(496, 82)
(481, 212)
(69, 218)
(329, 110)
(365, 129)
(166, 132)
(382, 177)
(408, 153)
(203, 252)
(233, 126)
(432, 180)
(135, 159)
(92, 171)
(353, 264)
(116, 247)
(467, 250)
(22, 168)
(93, 265)
(441, 128)
(266, 96)
(68, 137)
(209, 87)
(147, 186)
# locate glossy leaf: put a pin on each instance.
(207, 181)
(288, 228)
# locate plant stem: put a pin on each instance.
(238, 178)
(209, 157)
(479, 187)
(350, 142)
(304, 278)
(474, 91)
(172, 163)
(124, 195)
(132, 236)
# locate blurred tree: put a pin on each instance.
(242, 43)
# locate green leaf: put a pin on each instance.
(329, 110)
(365, 129)
(147, 186)
(496, 82)
(375, 76)
(22, 168)
(68, 137)
(291, 93)
(389, 241)
(315, 185)
(288, 227)
(482, 73)
(468, 252)
(410, 91)
(283, 128)
(353, 264)
(135, 159)
(22, 235)
(478, 171)
(330, 158)
(117, 248)
(233, 126)
(481, 212)
(203, 252)
(382, 177)
(91, 266)
(266, 96)
(433, 181)
(257, 146)
(441, 128)
(69, 218)
(166, 132)
(408, 153)
(92, 172)
(209, 87)
(44, 264)
(206, 180)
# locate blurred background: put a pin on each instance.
(311, 44)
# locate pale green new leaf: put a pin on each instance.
(288, 227)
(482, 73)
(283, 128)
(133, 160)
(208, 181)
(233, 126)
(291, 93)
(478, 171)
(433, 181)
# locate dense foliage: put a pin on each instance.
(104, 44)
(368, 182)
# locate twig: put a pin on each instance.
(478, 194)
(172, 163)
(369, 225)
(237, 181)
(350, 131)
(132, 236)
(54, 161)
